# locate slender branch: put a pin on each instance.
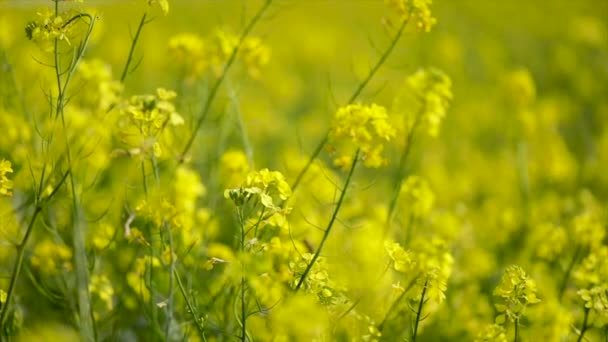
(191, 308)
(219, 81)
(18, 265)
(516, 325)
(564, 284)
(419, 312)
(125, 70)
(584, 327)
(352, 99)
(331, 221)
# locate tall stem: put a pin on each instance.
(331, 221)
(419, 311)
(125, 70)
(584, 327)
(516, 324)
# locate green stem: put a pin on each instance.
(18, 265)
(218, 82)
(191, 308)
(394, 305)
(243, 336)
(331, 221)
(125, 70)
(564, 284)
(419, 311)
(516, 324)
(584, 327)
(351, 100)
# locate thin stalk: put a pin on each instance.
(84, 301)
(191, 308)
(331, 221)
(419, 311)
(171, 284)
(125, 70)
(243, 336)
(564, 284)
(516, 324)
(352, 99)
(585, 326)
(401, 171)
(18, 265)
(219, 81)
(394, 305)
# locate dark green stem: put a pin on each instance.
(516, 324)
(125, 70)
(419, 311)
(584, 327)
(331, 221)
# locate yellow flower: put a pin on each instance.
(361, 127)
(418, 9)
(6, 185)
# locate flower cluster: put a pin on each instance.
(196, 54)
(492, 333)
(517, 291)
(233, 167)
(144, 118)
(431, 91)
(51, 258)
(417, 196)
(48, 27)
(318, 280)
(102, 91)
(418, 9)
(6, 185)
(265, 186)
(363, 128)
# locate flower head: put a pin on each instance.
(430, 90)
(517, 291)
(361, 127)
(417, 9)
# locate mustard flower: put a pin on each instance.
(101, 287)
(233, 167)
(424, 100)
(48, 27)
(102, 91)
(267, 186)
(253, 53)
(517, 291)
(144, 118)
(6, 185)
(187, 50)
(162, 4)
(360, 127)
(417, 9)
(593, 270)
(417, 196)
(401, 259)
(520, 87)
(51, 258)
(596, 299)
(492, 333)
(2, 296)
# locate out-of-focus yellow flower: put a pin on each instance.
(6, 185)
(51, 258)
(424, 100)
(233, 168)
(361, 127)
(418, 9)
(162, 4)
(492, 333)
(417, 196)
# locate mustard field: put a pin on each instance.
(304, 170)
